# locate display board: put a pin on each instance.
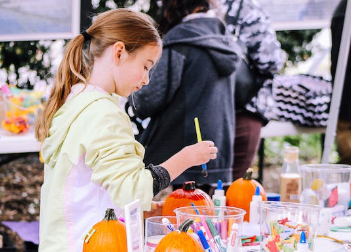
(22, 20)
(299, 14)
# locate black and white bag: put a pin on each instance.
(302, 99)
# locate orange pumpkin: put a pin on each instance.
(180, 241)
(240, 193)
(184, 196)
(107, 235)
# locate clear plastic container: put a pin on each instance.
(155, 230)
(281, 224)
(222, 225)
(326, 185)
(290, 179)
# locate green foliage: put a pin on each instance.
(31, 55)
(296, 44)
(310, 148)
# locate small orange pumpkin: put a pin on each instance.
(184, 197)
(107, 235)
(240, 193)
(180, 240)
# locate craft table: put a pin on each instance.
(29, 231)
(279, 129)
(321, 244)
(22, 143)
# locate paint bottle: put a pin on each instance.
(302, 246)
(219, 199)
(255, 207)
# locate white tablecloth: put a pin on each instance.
(21, 143)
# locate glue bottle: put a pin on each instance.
(218, 197)
(255, 207)
(303, 245)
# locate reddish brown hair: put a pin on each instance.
(134, 29)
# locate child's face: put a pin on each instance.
(132, 71)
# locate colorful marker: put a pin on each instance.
(204, 241)
(204, 232)
(216, 237)
(168, 224)
(224, 230)
(232, 245)
(193, 234)
(207, 230)
(193, 227)
(218, 227)
(230, 224)
(210, 241)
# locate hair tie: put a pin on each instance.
(86, 36)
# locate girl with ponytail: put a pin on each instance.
(92, 161)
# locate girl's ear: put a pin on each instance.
(119, 52)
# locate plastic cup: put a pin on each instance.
(155, 230)
(327, 185)
(221, 225)
(281, 224)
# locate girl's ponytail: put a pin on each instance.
(72, 70)
(133, 28)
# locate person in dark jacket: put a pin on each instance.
(194, 78)
(253, 28)
(343, 134)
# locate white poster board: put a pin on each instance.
(22, 20)
(134, 226)
(299, 14)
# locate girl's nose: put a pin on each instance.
(146, 79)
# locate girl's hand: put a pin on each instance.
(192, 155)
(156, 209)
(201, 152)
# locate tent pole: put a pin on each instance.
(338, 85)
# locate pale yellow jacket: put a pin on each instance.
(92, 162)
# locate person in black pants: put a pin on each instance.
(247, 19)
(343, 133)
